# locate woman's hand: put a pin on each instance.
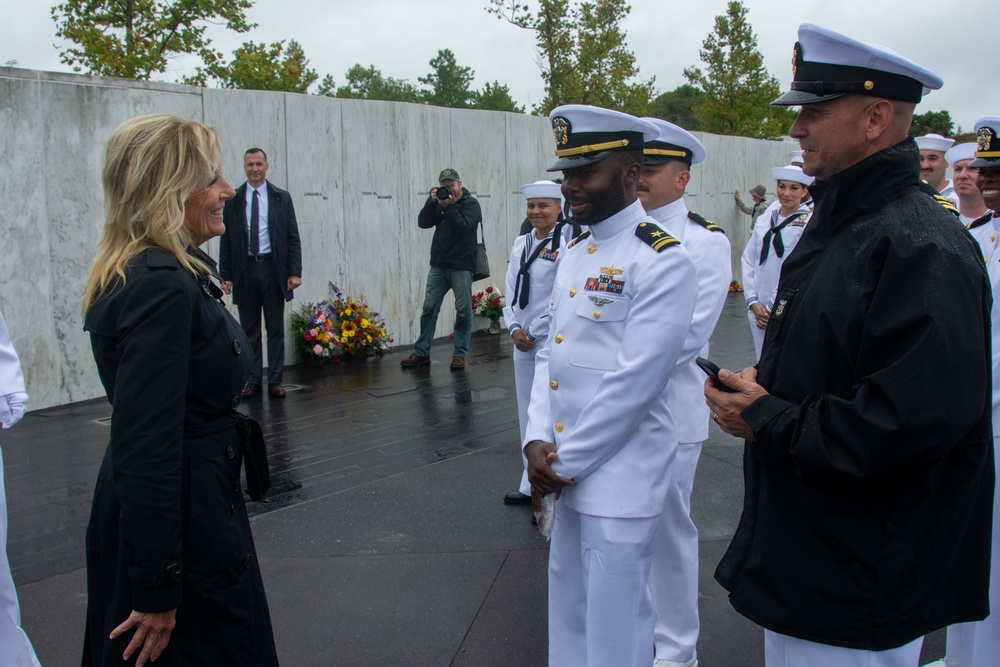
(152, 633)
(761, 314)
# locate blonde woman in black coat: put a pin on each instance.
(172, 574)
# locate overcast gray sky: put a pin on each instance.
(399, 37)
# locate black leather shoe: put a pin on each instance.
(276, 390)
(516, 498)
(250, 390)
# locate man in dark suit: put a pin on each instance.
(260, 262)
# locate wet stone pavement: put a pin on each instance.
(385, 540)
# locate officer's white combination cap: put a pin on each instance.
(791, 173)
(585, 134)
(987, 143)
(934, 142)
(827, 65)
(542, 189)
(672, 143)
(960, 152)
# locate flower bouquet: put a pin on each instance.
(735, 286)
(489, 304)
(338, 326)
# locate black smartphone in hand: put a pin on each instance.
(712, 371)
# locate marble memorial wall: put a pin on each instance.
(358, 172)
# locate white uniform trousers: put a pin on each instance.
(785, 651)
(978, 644)
(756, 332)
(524, 373)
(673, 577)
(15, 648)
(600, 611)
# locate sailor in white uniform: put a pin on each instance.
(15, 647)
(530, 272)
(600, 435)
(934, 166)
(771, 242)
(970, 201)
(978, 644)
(673, 578)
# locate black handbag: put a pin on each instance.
(482, 261)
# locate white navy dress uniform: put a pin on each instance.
(978, 644)
(15, 647)
(953, 156)
(761, 269)
(673, 578)
(622, 303)
(935, 142)
(539, 258)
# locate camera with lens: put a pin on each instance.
(443, 192)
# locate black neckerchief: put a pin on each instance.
(775, 232)
(522, 287)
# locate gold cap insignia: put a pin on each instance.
(795, 58)
(869, 84)
(984, 139)
(560, 130)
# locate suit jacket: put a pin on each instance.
(282, 229)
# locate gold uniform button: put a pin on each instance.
(559, 338)
(572, 292)
(554, 385)
(597, 314)
(559, 427)
(591, 249)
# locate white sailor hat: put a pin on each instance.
(585, 134)
(791, 173)
(827, 65)
(987, 145)
(547, 189)
(672, 143)
(960, 152)
(795, 157)
(934, 142)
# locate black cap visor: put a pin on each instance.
(794, 98)
(573, 161)
(984, 163)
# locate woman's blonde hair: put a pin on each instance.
(152, 166)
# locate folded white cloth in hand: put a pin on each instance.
(12, 407)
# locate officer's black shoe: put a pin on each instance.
(516, 498)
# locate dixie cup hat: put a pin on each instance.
(934, 142)
(960, 152)
(791, 173)
(543, 189)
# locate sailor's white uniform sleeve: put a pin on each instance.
(540, 423)
(749, 259)
(657, 322)
(513, 266)
(11, 378)
(714, 268)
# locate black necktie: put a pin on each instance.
(522, 287)
(254, 225)
(775, 232)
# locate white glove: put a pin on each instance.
(12, 407)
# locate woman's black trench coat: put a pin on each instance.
(168, 528)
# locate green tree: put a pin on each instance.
(134, 39)
(495, 97)
(368, 83)
(449, 82)
(932, 122)
(677, 106)
(261, 67)
(582, 52)
(738, 89)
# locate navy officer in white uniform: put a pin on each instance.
(530, 272)
(600, 434)
(673, 578)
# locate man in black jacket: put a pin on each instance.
(869, 455)
(453, 260)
